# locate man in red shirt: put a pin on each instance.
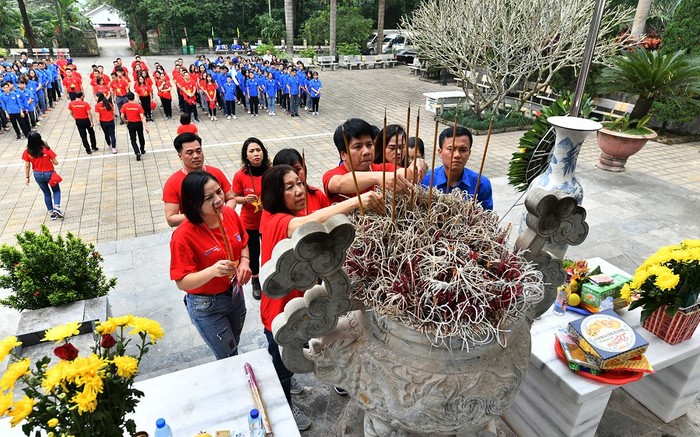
(80, 110)
(189, 150)
(72, 84)
(135, 121)
(120, 86)
(338, 183)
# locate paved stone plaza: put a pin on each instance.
(115, 201)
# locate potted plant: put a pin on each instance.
(79, 395)
(667, 286)
(650, 75)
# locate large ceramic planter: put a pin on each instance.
(617, 147)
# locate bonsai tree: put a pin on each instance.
(651, 75)
(46, 271)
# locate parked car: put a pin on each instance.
(406, 56)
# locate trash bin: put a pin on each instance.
(191, 50)
(184, 50)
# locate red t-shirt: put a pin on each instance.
(142, 90)
(195, 247)
(42, 163)
(72, 84)
(243, 185)
(104, 89)
(132, 112)
(171, 189)
(191, 128)
(273, 229)
(105, 114)
(120, 87)
(342, 170)
(80, 109)
(164, 88)
(316, 201)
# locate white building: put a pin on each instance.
(107, 22)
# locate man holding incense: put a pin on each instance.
(454, 148)
(357, 172)
(189, 150)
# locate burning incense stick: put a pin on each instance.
(384, 158)
(415, 158)
(257, 399)
(432, 168)
(229, 254)
(352, 170)
(404, 149)
(483, 160)
(306, 190)
(452, 154)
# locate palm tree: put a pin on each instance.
(380, 25)
(640, 18)
(289, 24)
(27, 25)
(333, 24)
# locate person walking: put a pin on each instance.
(136, 122)
(105, 112)
(80, 110)
(39, 157)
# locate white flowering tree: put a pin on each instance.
(496, 46)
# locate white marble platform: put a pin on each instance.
(554, 401)
(211, 397)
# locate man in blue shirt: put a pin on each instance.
(14, 109)
(293, 90)
(455, 146)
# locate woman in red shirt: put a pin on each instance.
(247, 187)
(284, 200)
(315, 198)
(100, 86)
(165, 94)
(41, 159)
(144, 91)
(210, 89)
(105, 112)
(211, 264)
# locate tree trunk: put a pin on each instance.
(333, 18)
(289, 24)
(641, 108)
(28, 31)
(640, 18)
(380, 25)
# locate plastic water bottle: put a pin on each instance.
(162, 429)
(255, 424)
(561, 301)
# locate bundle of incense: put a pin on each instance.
(257, 399)
(404, 149)
(384, 158)
(352, 169)
(483, 160)
(415, 157)
(432, 167)
(306, 191)
(452, 154)
(229, 254)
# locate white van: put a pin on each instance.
(395, 42)
(372, 40)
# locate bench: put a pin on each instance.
(419, 70)
(350, 62)
(608, 108)
(222, 49)
(326, 61)
(387, 60)
(436, 102)
(15, 53)
(308, 62)
(61, 51)
(41, 52)
(370, 61)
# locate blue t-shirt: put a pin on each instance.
(12, 102)
(467, 183)
(252, 87)
(270, 87)
(229, 90)
(293, 84)
(315, 84)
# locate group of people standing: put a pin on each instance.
(214, 251)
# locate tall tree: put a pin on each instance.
(640, 18)
(333, 25)
(380, 25)
(28, 31)
(289, 24)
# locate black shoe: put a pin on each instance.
(138, 157)
(121, 122)
(89, 152)
(19, 137)
(340, 391)
(143, 150)
(257, 291)
(95, 148)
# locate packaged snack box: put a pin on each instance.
(592, 294)
(607, 339)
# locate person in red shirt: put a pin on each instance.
(61, 64)
(135, 118)
(138, 60)
(186, 125)
(101, 87)
(119, 64)
(188, 87)
(165, 94)
(41, 159)
(189, 150)
(72, 84)
(120, 86)
(105, 113)
(80, 110)
(338, 182)
(210, 89)
(315, 198)
(210, 262)
(144, 91)
(247, 187)
(284, 199)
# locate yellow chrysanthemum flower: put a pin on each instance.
(691, 243)
(150, 327)
(7, 345)
(60, 333)
(85, 401)
(14, 371)
(5, 402)
(110, 325)
(53, 423)
(667, 281)
(21, 409)
(55, 376)
(127, 366)
(626, 292)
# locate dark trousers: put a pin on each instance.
(136, 128)
(314, 104)
(230, 107)
(51, 94)
(295, 104)
(32, 117)
(3, 120)
(109, 129)
(284, 374)
(84, 129)
(180, 101)
(19, 122)
(167, 106)
(192, 110)
(146, 105)
(72, 96)
(57, 88)
(120, 101)
(254, 103)
(254, 250)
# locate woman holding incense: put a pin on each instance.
(247, 186)
(284, 202)
(211, 262)
(315, 198)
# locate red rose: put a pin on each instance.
(107, 341)
(66, 352)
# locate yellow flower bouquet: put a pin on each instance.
(667, 282)
(79, 395)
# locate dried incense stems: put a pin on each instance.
(415, 158)
(384, 159)
(483, 160)
(306, 191)
(352, 170)
(227, 246)
(405, 146)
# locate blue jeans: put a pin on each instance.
(271, 103)
(219, 319)
(42, 179)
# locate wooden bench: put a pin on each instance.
(15, 53)
(611, 108)
(326, 61)
(350, 62)
(61, 51)
(222, 49)
(41, 53)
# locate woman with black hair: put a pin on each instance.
(145, 92)
(210, 261)
(247, 187)
(393, 149)
(41, 159)
(315, 198)
(105, 112)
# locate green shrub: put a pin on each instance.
(46, 271)
(308, 53)
(263, 48)
(348, 49)
(467, 118)
(683, 31)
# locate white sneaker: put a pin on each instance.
(234, 117)
(228, 117)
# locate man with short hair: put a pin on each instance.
(455, 147)
(73, 84)
(14, 108)
(189, 150)
(80, 110)
(135, 118)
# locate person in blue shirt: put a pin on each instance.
(270, 85)
(14, 109)
(293, 89)
(303, 90)
(252, 93)
(315, 93)
(28, 95)
(454, 160)
(229, 91)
